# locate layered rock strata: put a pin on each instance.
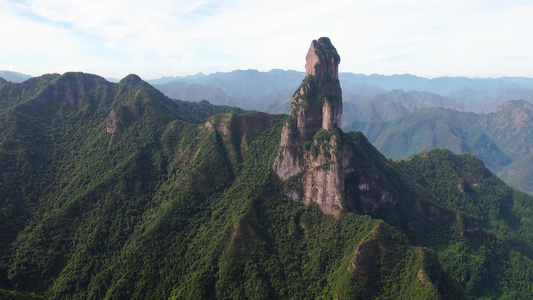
(312, 159)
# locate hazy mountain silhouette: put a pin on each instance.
(255, 90)
(14, 76)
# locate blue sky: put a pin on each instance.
(114, 38)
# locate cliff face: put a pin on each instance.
(322, 60)
(312, 157)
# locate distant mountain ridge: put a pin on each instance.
(246, 88)
(257, 90)
(252, 89)
(408, 82)
(388, 106)
(14, 76)
(502, 139)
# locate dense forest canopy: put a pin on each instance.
(114, 191)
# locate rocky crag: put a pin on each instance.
(312, 160)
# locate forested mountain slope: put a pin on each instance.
(502, 139)
(114, 191)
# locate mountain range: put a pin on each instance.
(14, 76)
(252, 89)
(271, 91)
(115, 191)
(392, 103)
(502, 139)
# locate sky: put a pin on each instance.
(114, 38)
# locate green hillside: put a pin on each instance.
(114, 191)
(511, 127)
(519, 174)
(505, 217)
(431, 128)
(502, 139)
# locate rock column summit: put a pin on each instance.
(318, 101)
(312, 160)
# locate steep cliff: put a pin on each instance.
(312, 158)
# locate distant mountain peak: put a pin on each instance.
(515, 104)
(14, 77)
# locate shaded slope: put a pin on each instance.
(435, 128)
(499, 243)
(519, 174)
(511, 127)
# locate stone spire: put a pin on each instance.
(322, 60)
(317, 162)
(318, 101)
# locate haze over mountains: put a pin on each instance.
(271, 91)
(14, 76)
(257, 90)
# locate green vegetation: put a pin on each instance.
(11, 295)
(499, 218)
(182, 203)
(430, 128)
(519, 174)
(316, 92)
(328, 49)
(502, 140)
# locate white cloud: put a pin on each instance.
(179, 37)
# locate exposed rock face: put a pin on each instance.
(112, 125)
(120, 117)
(312, 157)
(318, 101)
(322, 60)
